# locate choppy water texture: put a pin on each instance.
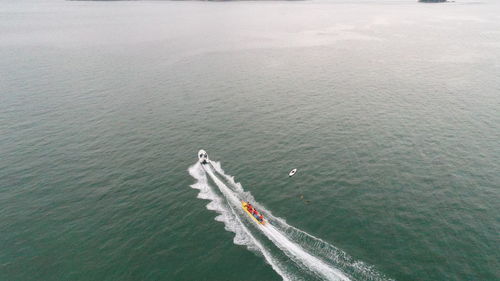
(389, 109)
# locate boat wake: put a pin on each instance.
(291, 252)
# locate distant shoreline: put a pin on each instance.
(433, 1)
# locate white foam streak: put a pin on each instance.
(291, 249)
(311, 254)
(232, 222)
(300, 255)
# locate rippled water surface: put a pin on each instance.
(390, 110)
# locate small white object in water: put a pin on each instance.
(292, 172)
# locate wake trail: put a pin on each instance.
(233, 223)
(313, 255)
(292, 250)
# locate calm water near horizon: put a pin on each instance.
(390, 110)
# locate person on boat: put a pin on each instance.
(261, 218)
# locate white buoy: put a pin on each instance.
(292, 172)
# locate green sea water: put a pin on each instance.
(390, 110)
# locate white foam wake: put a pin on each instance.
(313, 255)
(232, 222)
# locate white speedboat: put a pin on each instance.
(203, 156)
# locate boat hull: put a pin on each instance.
(203, 156)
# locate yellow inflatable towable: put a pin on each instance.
(249, 209)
